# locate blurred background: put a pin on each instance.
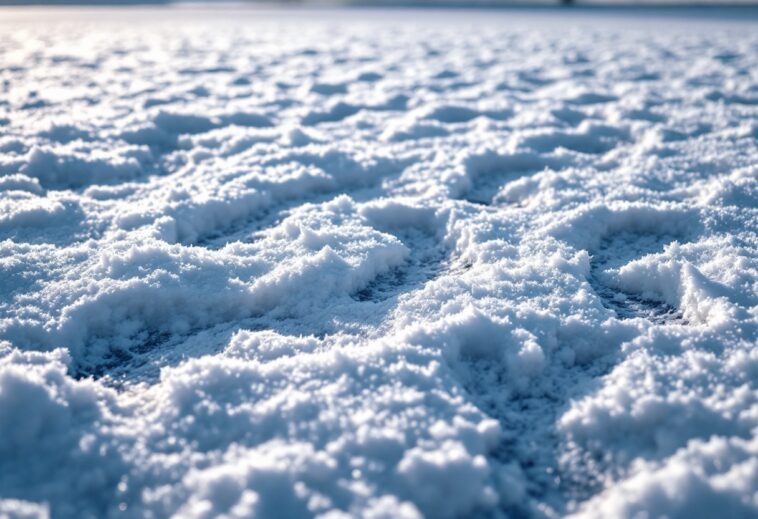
(402, 3)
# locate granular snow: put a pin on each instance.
(378, 264)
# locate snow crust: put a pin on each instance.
(346, 265)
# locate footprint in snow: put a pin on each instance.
(426, 261)
(489, 173)
(614, 252)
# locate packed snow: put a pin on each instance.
(381, 264)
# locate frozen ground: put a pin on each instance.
(331, 264)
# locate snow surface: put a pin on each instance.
(400, 264)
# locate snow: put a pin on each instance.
(356, 263)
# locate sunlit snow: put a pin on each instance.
(334, 263)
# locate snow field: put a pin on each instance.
(482, 265)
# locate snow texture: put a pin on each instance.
(378, 264)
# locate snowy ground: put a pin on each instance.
(400, 264)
